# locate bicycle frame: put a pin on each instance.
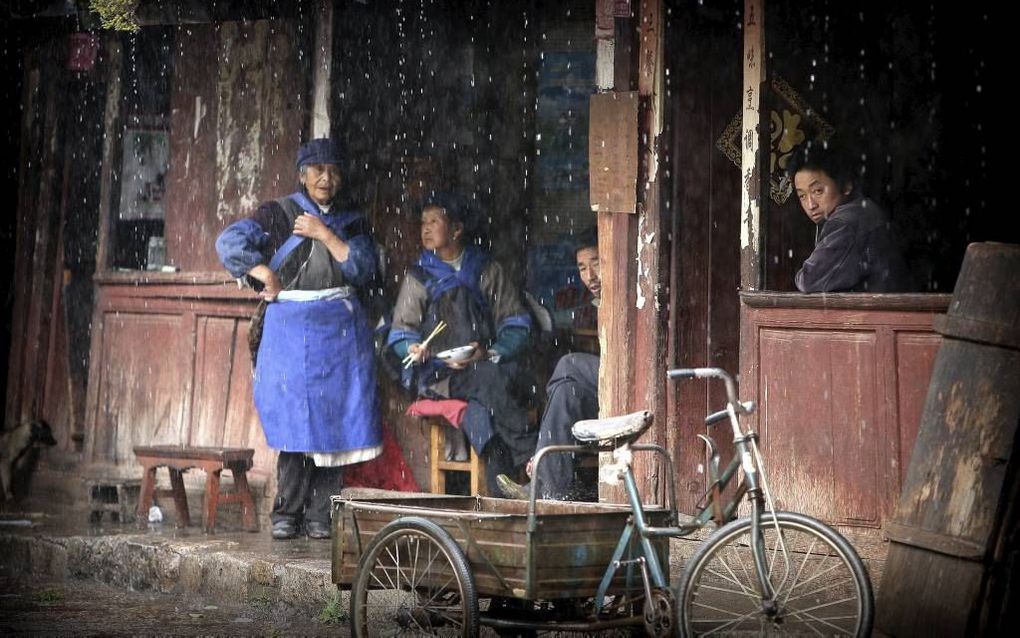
(647, 560)
(746, 453)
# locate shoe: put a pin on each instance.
(317, 529)
(282, 530)
(512, 489)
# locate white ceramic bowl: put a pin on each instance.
(463, 353)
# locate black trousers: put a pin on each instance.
(494, 412)
(303, 490)
(573, 396)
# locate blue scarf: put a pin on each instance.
(443, 277)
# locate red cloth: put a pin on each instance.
(388, 471)
(450, 409)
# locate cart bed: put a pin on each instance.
(566, 556)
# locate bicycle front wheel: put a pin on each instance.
(821, 586)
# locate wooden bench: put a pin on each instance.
(213, 460)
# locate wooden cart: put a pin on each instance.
(442, 565)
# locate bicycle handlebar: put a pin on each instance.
(682, 373)
(746, 407)
(708, 373)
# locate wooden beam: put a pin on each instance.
(651, 313)
(191, 225)
(616, 238)
(28, 186)
(239, 125)
(46, 215)
(631, 248)
(322, 71)
(616, 241)
(750, 158)
(613, 155)
(112, 65)
(605, 45)
(111, 152)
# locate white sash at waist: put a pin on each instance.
(342, 292)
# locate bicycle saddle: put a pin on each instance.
(627, 426)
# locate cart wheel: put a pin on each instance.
(414, 580)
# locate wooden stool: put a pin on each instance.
(440, 466)
(213, 460)
(117, 496)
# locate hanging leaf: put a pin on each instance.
(118, 15)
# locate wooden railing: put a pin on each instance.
(840, 381)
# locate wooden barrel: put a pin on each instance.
(953, 538)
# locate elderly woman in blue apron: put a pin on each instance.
(314, 386)
(456, 282)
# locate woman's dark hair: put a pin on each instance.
(814, 156)
(454, 206)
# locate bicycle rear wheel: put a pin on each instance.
(821, 585)
(413, 580)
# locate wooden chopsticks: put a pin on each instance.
(409, 359)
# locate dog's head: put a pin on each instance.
(42, 434)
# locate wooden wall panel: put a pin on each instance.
(142, 391)
(238, 111)
(706, 243)
(840, 382)
(818, 392)
(915, 361)
(170, 364)
(214, 359)
(857, 427)
(242, 427)
(190, 227)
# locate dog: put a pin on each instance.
(15, 447)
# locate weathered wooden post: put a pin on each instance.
(953, 553)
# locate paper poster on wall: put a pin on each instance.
(143, 174)
(565, 81)
(613, 152)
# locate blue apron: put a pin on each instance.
(314, 385)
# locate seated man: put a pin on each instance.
(455, 282)
(572, 396)
(855, 246)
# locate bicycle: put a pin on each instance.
(766, 572)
